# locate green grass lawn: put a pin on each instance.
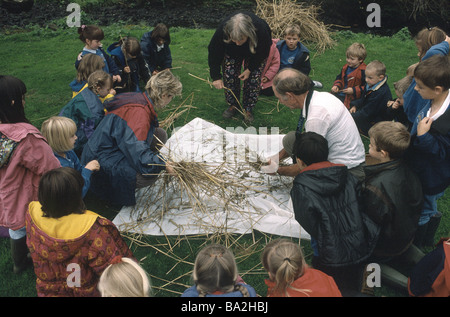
(44, 60)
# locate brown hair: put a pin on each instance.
(392, 137)
(378, 67)
(60, 192)
(131, 46)
(357, 50)
(163, 82)
(293, 29)
(428, 37)
(434, 71)
(403, 84)
(161, 31)
(90, 32)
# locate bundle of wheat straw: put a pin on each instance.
(281, 13)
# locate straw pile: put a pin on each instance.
(281, 13)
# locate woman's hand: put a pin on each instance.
(218, 84)
(245, 75)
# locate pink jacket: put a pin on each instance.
(19, 178)
(272, 65)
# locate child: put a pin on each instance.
(86, 108)
(392, 197)
(124, 277)
(89, 64)
(325, 201)
(126, 142)
(215, 275)
(70, 246)
(294, 54)
(430, 155)
(394, 109)
(371, 107)
(24, 157)
(127, 55)
(60, 134)
(290, 276)
(429, 42)
(349, 84)
(270, 70)
(91, 36)
(155, 49)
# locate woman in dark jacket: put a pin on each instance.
(241, 39)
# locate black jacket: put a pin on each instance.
(392, 197)
(325, 201)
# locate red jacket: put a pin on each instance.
(313, 283)
(356, 80)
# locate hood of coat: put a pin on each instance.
(325, 178)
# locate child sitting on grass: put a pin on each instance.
(371, 107)
(350, 83)
(60, 135)
(216, 275)
(70, 246)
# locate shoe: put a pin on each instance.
(317, 84)
(20, 255)
(249, 117)
(230, 112)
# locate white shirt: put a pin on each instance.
(328, 117)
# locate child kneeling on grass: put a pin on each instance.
(62, 234)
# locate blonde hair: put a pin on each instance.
(215, 270)
(239, 27)
(284, 260)
(125, 278)
(89, 64)
(392, 137)
(378, 67)
(58, 131)
(99, 79)
(292, 29)
(357, 50)
(162, 83)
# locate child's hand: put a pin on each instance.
(127, 69)
(245, 75)
(353, 109)
(218, 84)
(154, 72)
(169, 169)
(335, 89)
(117, 78)
(93, 165)
(112, 92)
(348, 91)
(424, 126)
(264, 79)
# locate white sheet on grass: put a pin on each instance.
(268, 210)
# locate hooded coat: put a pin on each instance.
(325, 200)
(57, 246)
(25, 157)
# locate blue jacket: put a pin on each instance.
(153, 58)
(430, 153)
(301, 61)
(192, 292)
(110, 66)
(138, 67)
(121, 144)
(413, 102)
(86, 110)
(71, 160)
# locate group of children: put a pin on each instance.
(390, 185)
